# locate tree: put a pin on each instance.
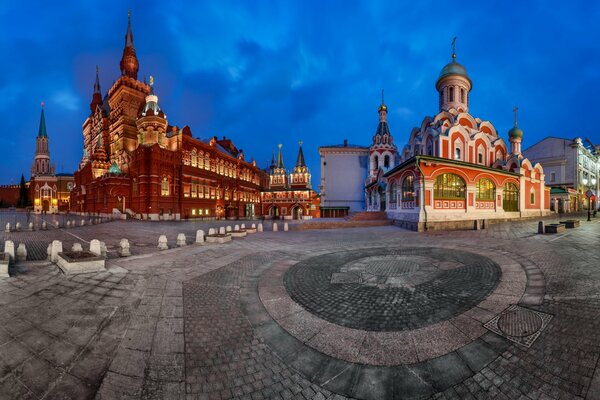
(22, 202)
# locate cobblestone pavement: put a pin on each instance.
(212, 321)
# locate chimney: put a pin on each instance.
(345, 142)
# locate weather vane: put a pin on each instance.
(151, 80)
(515, 111)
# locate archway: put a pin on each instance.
(381, 192)
(274, 211)
(297, 212)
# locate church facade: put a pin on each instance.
(455, 171)
(136, 163)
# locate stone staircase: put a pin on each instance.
(367, 216)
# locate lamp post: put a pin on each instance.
(589, 194)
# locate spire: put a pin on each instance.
(300, 161)
(515, 112)
(42, 131)
(97, 96)
(382, 109)
(280, 158)
(454, 48)
(129, 34)
(97, 83)
(129, 61)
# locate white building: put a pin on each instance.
(567, 163)
(344, 169)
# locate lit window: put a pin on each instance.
(449, 186)
(408, 188)
(164, 186)
(485, 189)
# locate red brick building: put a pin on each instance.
(289, 196)
(135, 162)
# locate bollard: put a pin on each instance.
(275, 227)
(236, 228)
(76, 247)
(260, 227)
(44, 226)
(21, 252)
(253, 226)
(7, 228)
(31, 227)
(222, 230)
(49, 251)
(212, 231)
(124, 248)
(285, 227)
(541, 227)
(18, 226)
(9, 248)
(57, 247)
(228, 229)
(82, 223)
(95, 247)
(162, 242)
(200, 236)
(181, 240)
(243, 226)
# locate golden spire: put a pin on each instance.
(151, 80)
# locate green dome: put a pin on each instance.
(453, 68)
(515, 133)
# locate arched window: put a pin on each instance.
(449, 186)
(408, 188)
(485, 189)
(386, 161)
(457, 153)
(375, 162)
(201, 160)
(462, 95)
(164, 186)
(393, 192)
(429, 147)
(451, 94)
(532, 196)
(480, 155)
(194, 158)
(510, 201)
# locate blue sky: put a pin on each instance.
(268, 72)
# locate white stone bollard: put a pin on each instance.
(103, 249)
(95, 247)
(260, 227)
(286, 227)
(21, 252)
(82, 223)
(57, 247)
(162, 242)
(31, 227)
(222, 230)
(275, 227)
(200, 236)
(253, 226)
(44, 226)
(49, 251)
(18, 226)
(124, 248)
(236, 228)
(212, 231)
(9, 248)
(181, 240)
(243, 226)
(228, 229)
(76, 247)
(7, 228)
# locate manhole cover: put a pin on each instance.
(519, 323)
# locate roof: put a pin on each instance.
(448, 161)
(351, 146)
(42, 131)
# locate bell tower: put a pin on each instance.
(454, 85)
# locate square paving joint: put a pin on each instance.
(519, 324)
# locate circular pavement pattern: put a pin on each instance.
(391, 289)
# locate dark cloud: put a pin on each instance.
(268, 72)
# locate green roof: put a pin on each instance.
(42, 131)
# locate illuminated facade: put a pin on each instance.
(289, 196)
(48, 192)
(455, 171)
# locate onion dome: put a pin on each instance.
(151, 107)
(515, 132)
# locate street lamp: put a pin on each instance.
(589, 194)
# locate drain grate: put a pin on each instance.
(519, 324)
